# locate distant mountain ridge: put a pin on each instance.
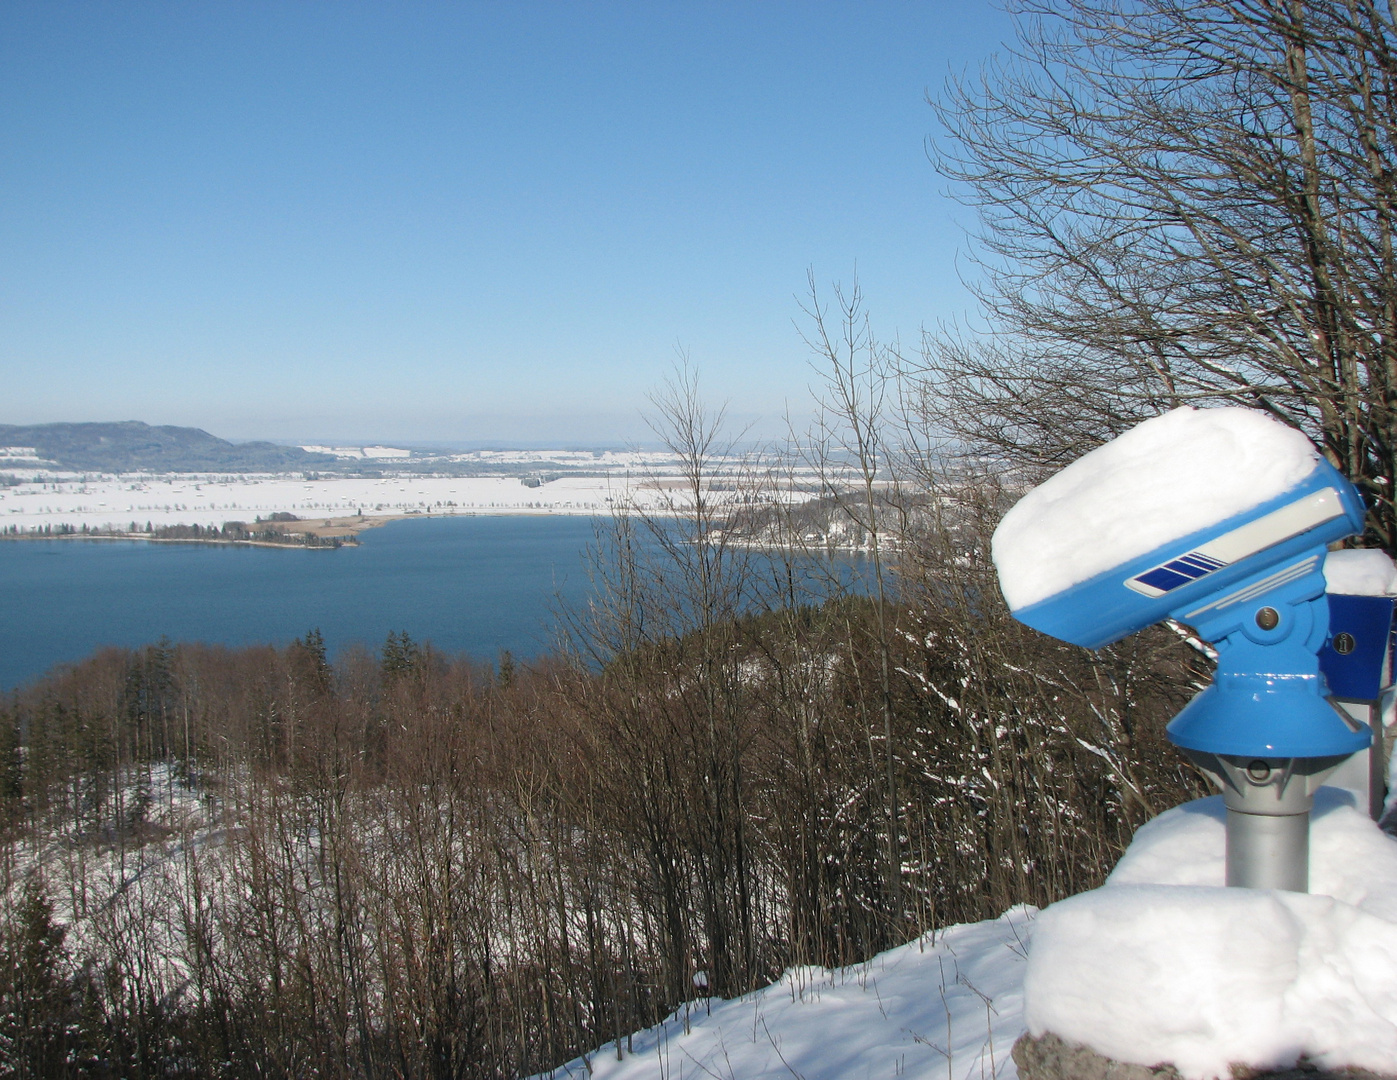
(132, 446)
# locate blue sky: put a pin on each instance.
(466, 222)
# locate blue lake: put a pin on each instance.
(476, 585)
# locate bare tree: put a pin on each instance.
(1181, 201)
(848, 448)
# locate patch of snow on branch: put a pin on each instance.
(1161, 480)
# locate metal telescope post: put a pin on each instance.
(1269, 797)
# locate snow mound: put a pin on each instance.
(948, 1004)
(1161, 480)
(1366, 572)
(1165, 964)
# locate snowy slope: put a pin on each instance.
(1162, 964)
(948, 1005)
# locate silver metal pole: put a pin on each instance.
(1268, 804)
(1268, 851)
(1268, 825)
(1377, 762)
(1365, 773)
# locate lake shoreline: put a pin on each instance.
(203, 541)
(475, 586)
(344, 530)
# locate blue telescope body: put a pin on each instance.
(1253, 585)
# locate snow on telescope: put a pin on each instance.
(1185, 516)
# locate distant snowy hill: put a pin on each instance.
(132, 446)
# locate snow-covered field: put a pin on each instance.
(113, 502)
(591, 482)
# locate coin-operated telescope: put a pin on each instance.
(1219, 519)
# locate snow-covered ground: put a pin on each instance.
(369, 453)
(1166, 964)
(113, 502)
(576, 459)
(948, 1005)
(1162, 964)
(591, 482)
(614, 460)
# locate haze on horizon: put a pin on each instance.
(458, 223)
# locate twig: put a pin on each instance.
(778, 1052)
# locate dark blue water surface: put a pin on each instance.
(476, 585)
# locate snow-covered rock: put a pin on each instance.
(1165, 964)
